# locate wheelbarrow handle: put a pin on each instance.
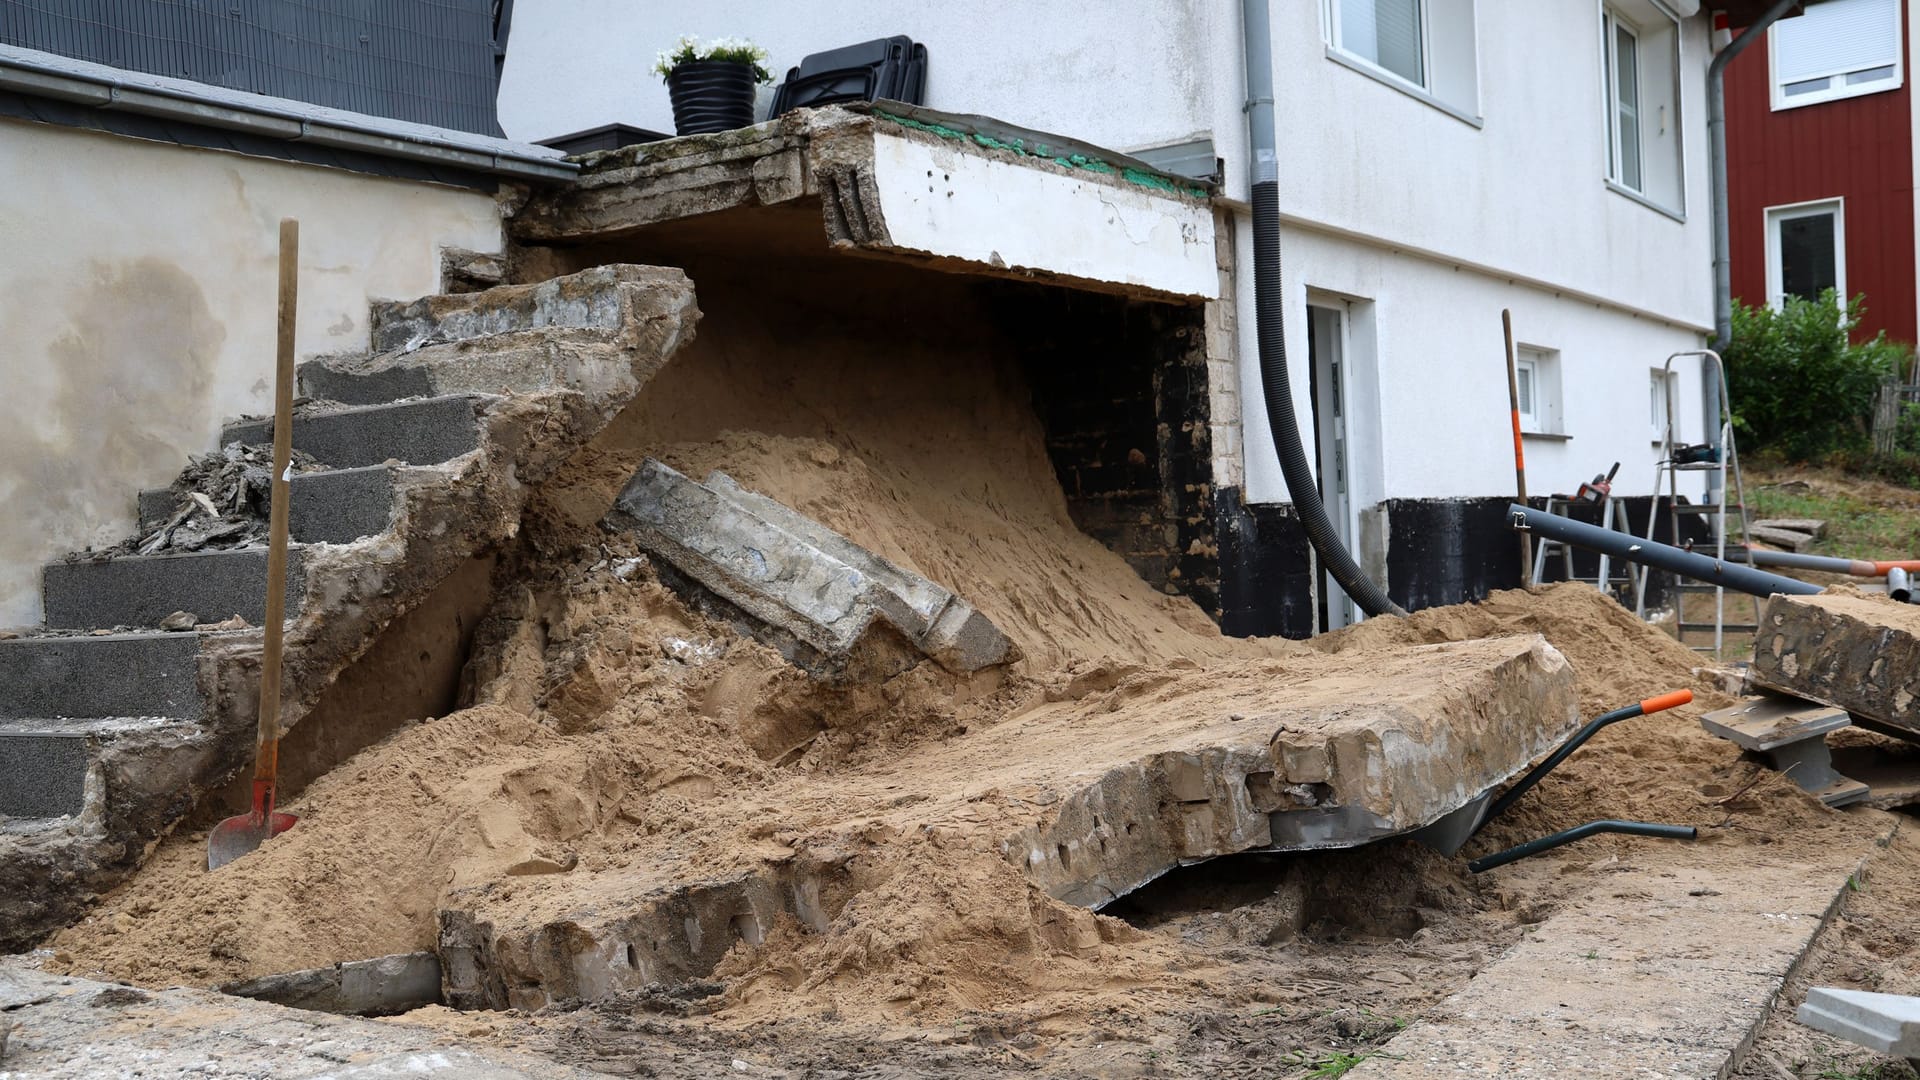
(1524, 784)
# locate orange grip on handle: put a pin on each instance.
(1666, 701)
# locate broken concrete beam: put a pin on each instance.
(423, 432)
(1883, 1023)
(602, 332)
(1813, 527)
(1087, 799)
(383, 986)
(141, 590)
(1850, 651)
(1780, 538)
(797, 580)
(65, 1027)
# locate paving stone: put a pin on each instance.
(1883, 1023)
(1854, 652)
(65, 1027)
(1670, 979)
(801, 583)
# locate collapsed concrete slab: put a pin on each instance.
(905, 183)
(805, 589)
(66, 1027)
(1087, 798)
(1853, 652)
(566, 358)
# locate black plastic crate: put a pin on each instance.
(893, 68)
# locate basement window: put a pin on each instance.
(1423, 48)
(1806, 250)
(1537, 381)
(1838, 49)
(1640, 64)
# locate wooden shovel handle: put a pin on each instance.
(267, 761)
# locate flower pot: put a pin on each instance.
(711, 95)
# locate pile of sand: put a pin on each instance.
(613, 727)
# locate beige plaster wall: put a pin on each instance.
(137, 312)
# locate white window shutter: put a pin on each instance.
(1836, 37)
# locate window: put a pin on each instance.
(1662, 386)
(1640, 68)
(1806, 250)
(1424, 48)
(1838, 49)
(1537, 381)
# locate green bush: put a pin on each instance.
(1799, 388)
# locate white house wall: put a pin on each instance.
(1441, 221)
(137, 287)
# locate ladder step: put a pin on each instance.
(1730, 628)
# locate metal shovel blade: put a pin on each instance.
(242, 833)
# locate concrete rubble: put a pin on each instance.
(383, 986)
(1843, 649)
(523, 376)
(1883, 1023)
(64, 1027)
(1334, 759)
(802, 587)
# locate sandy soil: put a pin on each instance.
(612, 727)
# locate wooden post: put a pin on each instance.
(266, 764)
(1519, 455)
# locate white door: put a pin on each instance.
(1326, 346)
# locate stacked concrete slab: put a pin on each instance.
(1844, 649)
(111, 729)
(817, 596)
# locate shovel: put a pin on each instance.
(238, 835)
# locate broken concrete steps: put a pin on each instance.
(65, 700)
(1847, 650)
(805, 589)
(141, 590)
(337, 506)
(1087, 799)
(426, 431)
(602, 331)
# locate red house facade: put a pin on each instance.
(1820, 165)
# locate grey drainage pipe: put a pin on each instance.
(1660, 556)
(1269, 302)
(1897, 586)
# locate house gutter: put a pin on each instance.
(49, 75)
(1722, 226)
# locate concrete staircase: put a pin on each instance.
(111, 729)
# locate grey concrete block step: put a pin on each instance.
(86, 676)
(323, 382)
(423, 432)
(44, 763)
(337, 506)
(141, 590)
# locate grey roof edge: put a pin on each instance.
(44, 74)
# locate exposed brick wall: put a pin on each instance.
(1124, 393)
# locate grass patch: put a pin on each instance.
(1862, 523)
(1877, 1070)
(1334, 1065)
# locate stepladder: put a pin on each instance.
(1720, 466)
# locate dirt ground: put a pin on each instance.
(612, 728)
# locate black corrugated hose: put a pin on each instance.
(1268, 305)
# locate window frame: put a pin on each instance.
(1779, 100)
(1616, 137)
(1611, 17)
(1772, 216)
(1667, 385)
(1331, 9)
(1541, 416)
(1466, 113)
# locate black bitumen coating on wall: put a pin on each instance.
(426, 61)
